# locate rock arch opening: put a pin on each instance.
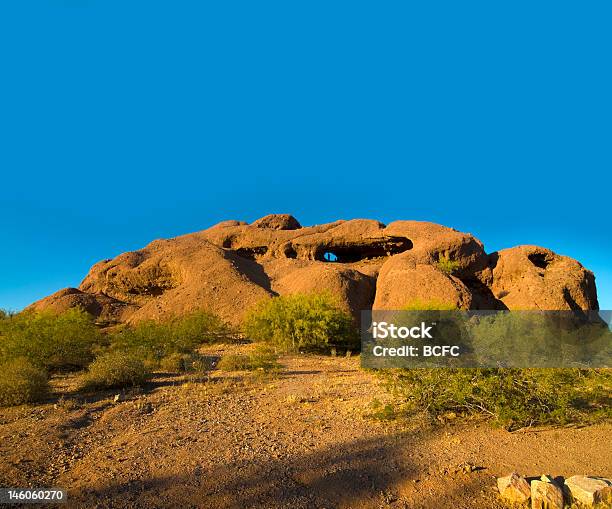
(351, 253)
(290, 252)
(329, 256)
(540, 260)
(250, 253)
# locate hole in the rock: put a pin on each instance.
(151, 290)
(251, 252)
(290, 252)
(539, 260)
(373, 249)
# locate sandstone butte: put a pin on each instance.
(231, 266)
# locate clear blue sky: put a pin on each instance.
(122, 122)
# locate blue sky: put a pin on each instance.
(122, 122)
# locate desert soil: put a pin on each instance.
(304, 438)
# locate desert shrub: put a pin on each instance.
(263, 358)
(301, 322)
(550, 339)
(380, 411)
(150, 341)
(157, 340)
(446, 265)
(22, 382)
(187, 363)
(201, 363)
(198, 367)
(234, 362)
(53, 342)
(510, 397)
(115, 369)
(174, 363)
(199, 328)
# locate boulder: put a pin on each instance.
(278, 222)
(175, 277)
(354, 290)
(531, 277)
(99, 305)
(514, 488)
(545, 494)
(589, 491)
(433, 242)
(401, 283)
(228, 223)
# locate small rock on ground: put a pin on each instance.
(514, 488)
(546, 494)
(590, 490)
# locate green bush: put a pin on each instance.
(446, 265)
(301, 322)
(115, 370)
(22, 382)
(174, 363)
(199, 328)
(511, 397)
(548, 339)
(381, 412)
(263, 358)
(234, 362)
(53, 342)
(157, 340)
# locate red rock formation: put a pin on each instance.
(231, 266)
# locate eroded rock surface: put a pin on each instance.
(231, 266)
(514, 488)
(545, 494)
(590, 491)
(531, 277)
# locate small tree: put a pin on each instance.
(53, 342)
(301, 322)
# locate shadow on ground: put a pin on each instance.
(368, 473)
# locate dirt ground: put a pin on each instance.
(301, 439)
